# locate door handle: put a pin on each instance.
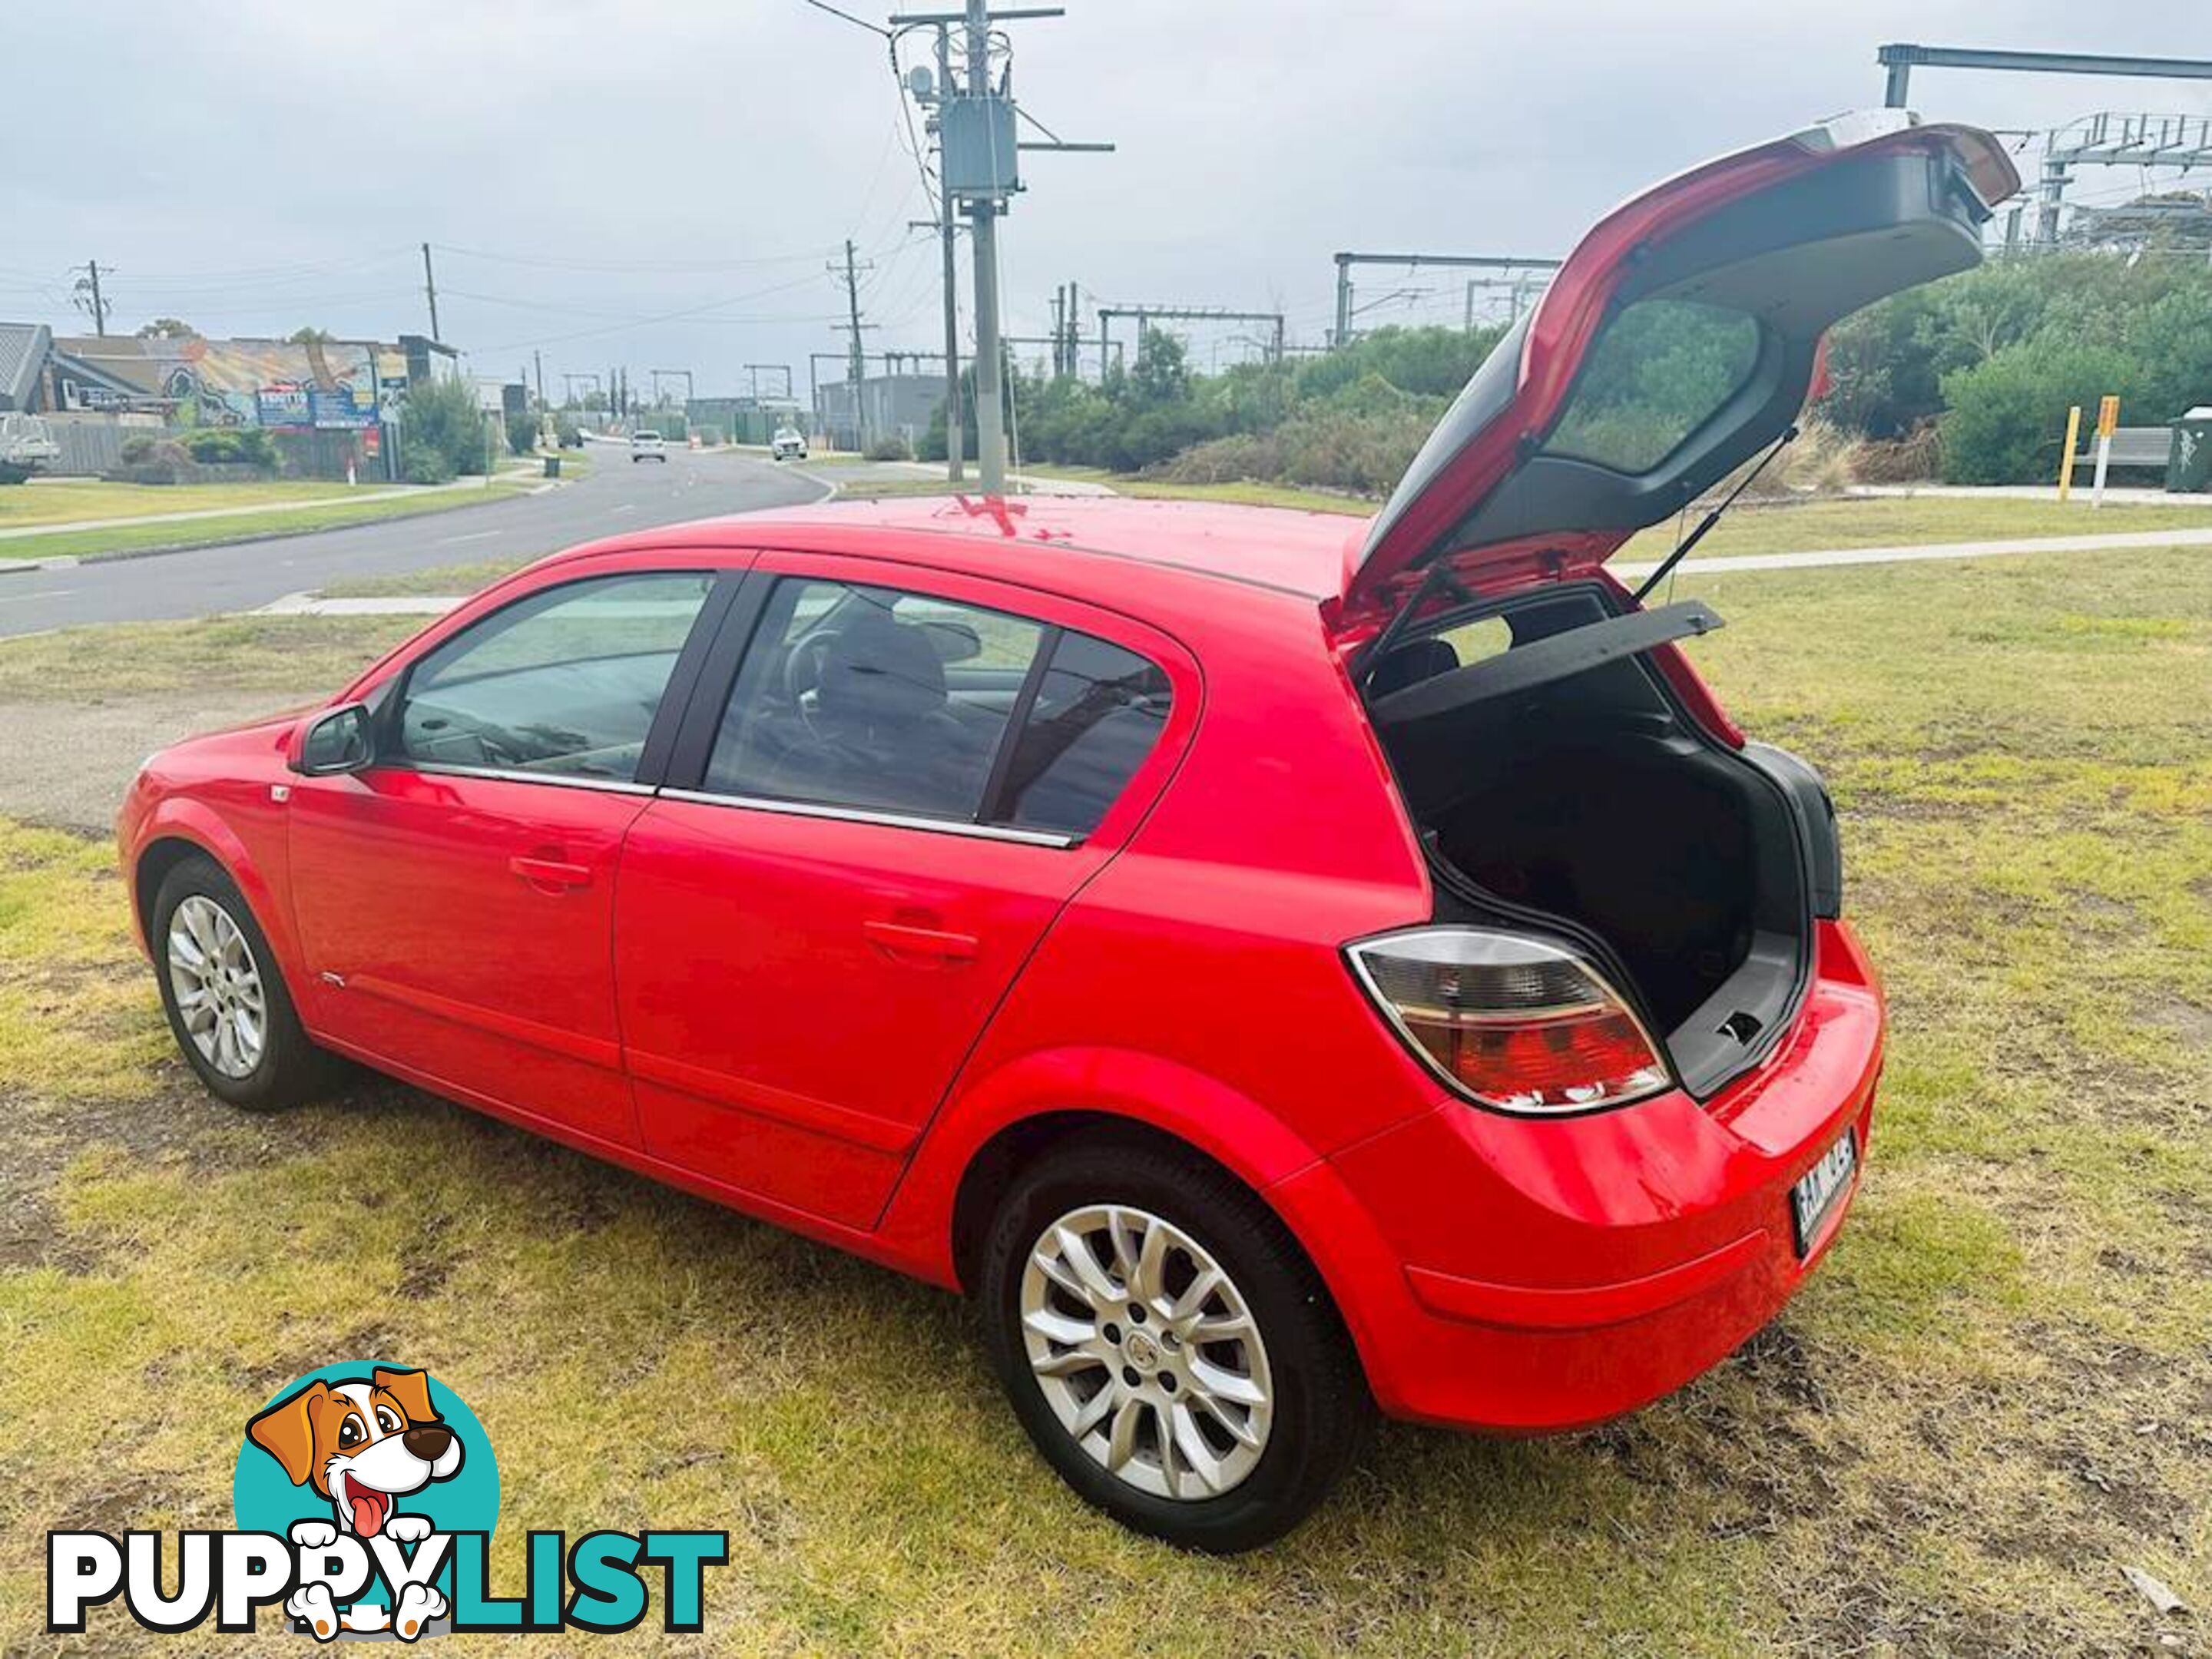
(898, 939)
(550, 875)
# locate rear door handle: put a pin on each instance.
(900, 940)
(550, 874)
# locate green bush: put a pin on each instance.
(230, 446)
(424, 463)
(1892, 365)
(443, 417)
(2006, 419)
(138, 448)
(522, 432)
(891, 446)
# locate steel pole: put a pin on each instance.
(955, 420)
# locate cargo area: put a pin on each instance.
(1592, 801)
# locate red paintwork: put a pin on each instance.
(717, 1006)
(824, 1023)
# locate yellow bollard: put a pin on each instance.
(2066, 459)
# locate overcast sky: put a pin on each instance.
(660, 184)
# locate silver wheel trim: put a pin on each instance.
(221, 1001)
(1175, 1398)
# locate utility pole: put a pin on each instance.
(955, 417)
(982, 214)
(856, 354)
(90, 299)
(538, 362)
(430, 289)
(977, 154)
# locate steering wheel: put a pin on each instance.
(804, 663)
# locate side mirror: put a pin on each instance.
(340, 741)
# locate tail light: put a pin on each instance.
(1511, 1021)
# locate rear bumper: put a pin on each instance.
(1518, 1276)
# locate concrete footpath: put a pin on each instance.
(2119, 541)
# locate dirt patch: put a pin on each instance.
(65, 765)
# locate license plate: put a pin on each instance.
(1820, 1188)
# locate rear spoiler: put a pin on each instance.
(1541, 661)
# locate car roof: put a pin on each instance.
(1085, 540)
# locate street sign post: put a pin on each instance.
(2066, 452)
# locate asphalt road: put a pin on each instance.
(618, 495)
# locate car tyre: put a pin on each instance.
(1316, 1413)
(235, 983)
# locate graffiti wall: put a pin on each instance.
(324, 385)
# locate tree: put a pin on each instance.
(309, 337)
(2006, 419)
(168, 328)
(442, 431)
(1162, 375)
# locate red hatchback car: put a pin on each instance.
(1277, 969)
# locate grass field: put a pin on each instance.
(246, 527)
(1996, 1393)
(1899, 521)
(67, 502)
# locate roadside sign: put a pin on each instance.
(2108, 416)
(2066, 454)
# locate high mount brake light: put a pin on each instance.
(1512, 1023)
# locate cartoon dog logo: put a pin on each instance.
(362, 1444)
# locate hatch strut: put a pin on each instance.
(1713, 517)
(1437, 575)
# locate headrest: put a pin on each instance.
(1410, 664)
(880, 672)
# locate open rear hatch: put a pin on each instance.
(1548, 744)
(1679, 339)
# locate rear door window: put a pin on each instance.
(883, 701)
(874, 699)
(1098, 712)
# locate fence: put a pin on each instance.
(93, 444)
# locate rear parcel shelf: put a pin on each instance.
(1540, 662)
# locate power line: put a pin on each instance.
(634, 267)
(677, 315)
(846, 16)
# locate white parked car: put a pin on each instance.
(789, 443)
(26, 443)
(649, 446)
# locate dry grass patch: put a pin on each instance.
(285, 656)
(1995, 1394)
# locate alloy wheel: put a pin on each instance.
(220, 1000)
(1146, 1351)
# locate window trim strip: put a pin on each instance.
(807, 809)
(559, 780)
